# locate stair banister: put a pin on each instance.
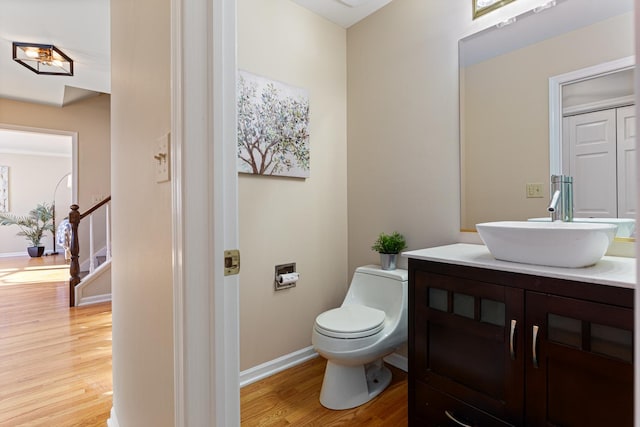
(74, 268)
(74, 219)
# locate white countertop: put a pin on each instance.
(611, 271)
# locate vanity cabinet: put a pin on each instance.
(495, 348)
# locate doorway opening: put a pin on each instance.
(38, 166)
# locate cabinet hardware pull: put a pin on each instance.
(512, 333)
(535, 344)
(452, 418)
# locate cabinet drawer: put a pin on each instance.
(436, 409)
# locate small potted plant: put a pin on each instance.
(32, 226)
(389, 246)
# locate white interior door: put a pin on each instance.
(592, 163)
(626, 141)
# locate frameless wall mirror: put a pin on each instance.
(506, 122)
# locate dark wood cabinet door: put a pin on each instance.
(466, 340)
(579, 369)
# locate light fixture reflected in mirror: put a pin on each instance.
(43, 59)
(542, 7)
(480, 7)
(506, 22)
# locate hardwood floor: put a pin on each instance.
(291, 398)
(55, 362)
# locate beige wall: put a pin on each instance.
(141, 268)
(32, 180)
(282, 41)
(403, 140)
(501, 156)
(90, 118)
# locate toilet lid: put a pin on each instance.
(350, 321)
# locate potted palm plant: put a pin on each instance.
(389, 246)
(32, 226)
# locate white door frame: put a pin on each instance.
(204, 209)
(555, 103)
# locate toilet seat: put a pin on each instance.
(350, 321)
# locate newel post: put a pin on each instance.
(74, 268)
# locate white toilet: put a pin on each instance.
(370, 324)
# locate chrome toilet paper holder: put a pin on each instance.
(284, 276)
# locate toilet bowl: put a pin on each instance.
(370, 324)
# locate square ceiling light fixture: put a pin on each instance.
(43, 59)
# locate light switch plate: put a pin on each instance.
(162, 159)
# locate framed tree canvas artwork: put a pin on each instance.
(273, 127)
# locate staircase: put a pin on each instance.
(90, 282)
(99, 260)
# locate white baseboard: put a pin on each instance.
(13, 254)
(274, 366)
(290, 360)
(113, 419)
(398, 360)
(96, 299)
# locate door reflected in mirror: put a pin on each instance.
(595, 140)
(506, 122)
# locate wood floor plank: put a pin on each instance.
(292, 398)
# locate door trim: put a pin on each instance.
(203, 120)
(555, 103)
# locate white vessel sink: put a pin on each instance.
(555, 244)
(626, 226)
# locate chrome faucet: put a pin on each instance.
(561, 204)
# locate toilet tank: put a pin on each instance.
(382, 289)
